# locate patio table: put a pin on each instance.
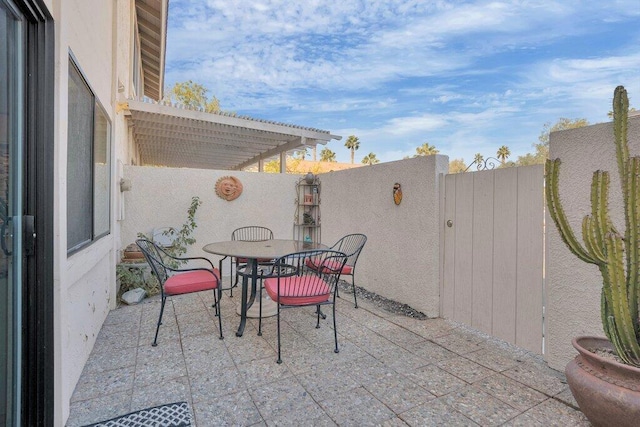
(252, 251)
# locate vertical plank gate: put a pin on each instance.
(492, 273)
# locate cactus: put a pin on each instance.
(616, 255)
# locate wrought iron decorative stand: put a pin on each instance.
(306, 222)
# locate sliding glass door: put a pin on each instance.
(11, 163)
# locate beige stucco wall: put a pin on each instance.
(573, 287)
(84, 283)
(160, 197)
(400, 260)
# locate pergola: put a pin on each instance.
(172, 136)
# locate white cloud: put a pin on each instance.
(467, 76)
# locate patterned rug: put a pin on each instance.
(171, 415)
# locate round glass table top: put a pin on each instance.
(268, 249)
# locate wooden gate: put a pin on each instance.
(492, 263)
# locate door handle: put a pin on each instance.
(6, 236)
(28, 236)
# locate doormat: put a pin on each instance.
(170, 415)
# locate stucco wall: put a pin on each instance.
(160, 197)
(573, 287)
(400, 260)
(84, 283)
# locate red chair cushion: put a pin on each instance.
(347, 269)
(298, 290)
(190, 281)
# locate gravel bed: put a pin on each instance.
(382, 302)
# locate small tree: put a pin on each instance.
(193, 95)
(272, 166)
(426, 150)
(353, 143)
(327, 155)
(370, 159)
(457, 166)
(302, 153)
(503, 154)
(182, 238)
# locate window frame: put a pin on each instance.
(97, 108)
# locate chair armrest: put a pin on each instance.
(210, 270)
(184, 258)
(168, 267)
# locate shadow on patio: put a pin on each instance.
(391, 370)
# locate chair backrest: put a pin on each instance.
(165, 237)
(153, 254)
(352, 245)
(252, 233)
(327, 264)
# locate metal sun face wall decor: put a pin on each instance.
(397, 193)
(228, 188)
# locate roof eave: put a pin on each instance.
(152, 18)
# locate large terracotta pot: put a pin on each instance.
(607, 392)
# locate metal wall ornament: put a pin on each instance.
(228, 188)
(484, 164)
(397, 193)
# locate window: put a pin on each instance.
(88, 165)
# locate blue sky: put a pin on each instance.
(465, 76)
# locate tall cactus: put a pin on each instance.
(616, 255)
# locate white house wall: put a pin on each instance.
(160, 197)
(84, 282)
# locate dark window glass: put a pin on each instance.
(88, 167)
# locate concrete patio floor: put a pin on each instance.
(392, 370)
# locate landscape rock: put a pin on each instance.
(134, 296)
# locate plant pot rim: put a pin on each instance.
(581, 344)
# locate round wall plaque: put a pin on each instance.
(228, 188)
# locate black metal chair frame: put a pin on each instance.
(352, 245)
(251, 233)
(330, 264)
(159, 260)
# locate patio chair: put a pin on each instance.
(352, 245)
(176, 280)
(292, 284)
(251, 233)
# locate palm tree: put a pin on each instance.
(503, 154)
(370, 159)
(302, 153)
(353, 143)
(477, 160)
(426, 150)
(327, 155)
